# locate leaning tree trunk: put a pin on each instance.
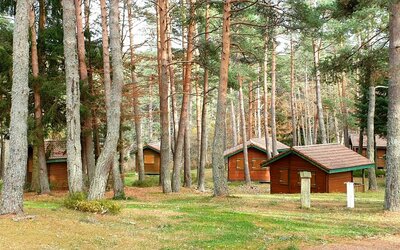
(163, 86)
(136, 108)
(106, 158)
(371, 138)
(321, 123)
(392, 192)
(244, 136)
(265, 95)
(178, 154)
(40, 162)
(203, 148)
(15, 171)
(292, 97)
(88, 162)
(74, 159)
(218, 162)
(273, 93)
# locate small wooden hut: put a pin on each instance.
(151, 157)
(56, 159)
(257, 153)
(331, 166)
(380, 148)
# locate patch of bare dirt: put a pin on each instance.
(382, 243)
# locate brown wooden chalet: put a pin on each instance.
(151, 157)
(257, 153)
(56, 159)
(380, 148)
(331, 165)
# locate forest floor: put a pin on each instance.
(249, 219)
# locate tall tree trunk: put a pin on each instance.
(106, 158)
(292, 93)
(259, 104)
(136, 108)
(187, 175)
(234, 126)
(151, 108)
(265, 79)
(273, 93)
(74, 159)
(251, 113)
(345, 110)
(178, 154)
(163, 86)
(320, 112)
(39, 140)
(218, 161)
(203, 149)
(88, 157)
(106, 53)
(198, 119)
(243, 130)
(392, 192)
(118, 184)
(371, 138)
(15, 171)
(307, 111)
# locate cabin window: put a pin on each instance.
(284, 176)
(149, 159)
(313, 178)
(239, 164)
(256, 163)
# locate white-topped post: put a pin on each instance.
(305, 189)
(350, 194)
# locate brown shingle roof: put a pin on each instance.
(255, 142)
(329, 157)
(381, 142)
(55, 149)
(155, 146)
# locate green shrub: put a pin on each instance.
(149, 181)
(378, 172)
(78, 201)
(1, 184)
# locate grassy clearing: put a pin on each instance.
(197, 221)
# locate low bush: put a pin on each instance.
(378, 173)
(149, 181)
(78, 201)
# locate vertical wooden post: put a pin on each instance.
(363, 180)
(350, 194)
(305, 189)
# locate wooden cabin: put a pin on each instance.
(257, 153)
(331, 166)
(152, 158)
(380, 148)
(56, 159)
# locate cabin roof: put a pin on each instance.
(56, 150)
(155, 146)
(258, 143)
(332, 158)
(380, 142)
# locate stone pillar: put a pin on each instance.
(305, 189)
(350, 194)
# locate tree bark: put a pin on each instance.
(106, 52)
(15, 170)
(187, 175)
(292, 97)
(88, 158)
(203, 149)
(178, 154)
(265, 79)
(41, 164)
(273, 93)
(106, 158)
(258, 113)
(198, 119)
(307, 111)
(164, 109)
(392, 192)
(243, 130)
(118, 185)
(251, 113)
(371, 138)
(234, 126)
(218, 161)
(136, 108)
(74, 159)
(345, 111)
(320, 112)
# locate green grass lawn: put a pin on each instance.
(192, 220)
